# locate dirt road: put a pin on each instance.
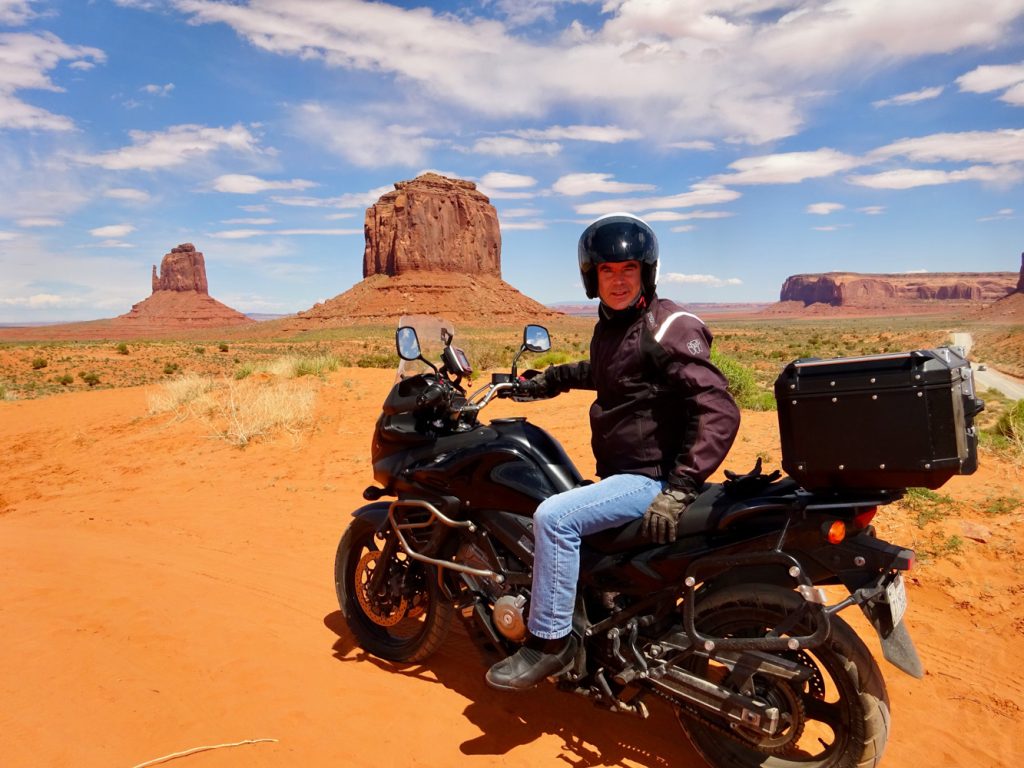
(163, 590)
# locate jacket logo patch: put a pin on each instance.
(695, 346)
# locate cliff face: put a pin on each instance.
(432, 223)
(852, 289)
(183, 269)
(1020, 280)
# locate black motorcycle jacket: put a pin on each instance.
(662, 407)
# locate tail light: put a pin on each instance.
(862, 519)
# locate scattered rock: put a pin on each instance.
(975, 531)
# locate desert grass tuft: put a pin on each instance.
(177, 393)
(238, 411)
(248, 410)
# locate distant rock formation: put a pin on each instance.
(840, 289)
(181, 298)
(183, 269)
(432, 223)
(432, 247)
(1009, 309)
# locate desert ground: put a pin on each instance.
(165, 589)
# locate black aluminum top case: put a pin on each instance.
(878, 422)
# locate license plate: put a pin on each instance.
(896, 596)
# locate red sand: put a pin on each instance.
(163, 590)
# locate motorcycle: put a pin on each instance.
(730, 625)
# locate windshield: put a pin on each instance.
(428, 330)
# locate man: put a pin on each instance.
(662, 422)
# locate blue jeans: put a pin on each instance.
(559, 524)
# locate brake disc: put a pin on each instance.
(380, 614)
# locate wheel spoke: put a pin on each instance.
(830, 713)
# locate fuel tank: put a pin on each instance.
(509, 464)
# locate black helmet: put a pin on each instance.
(619, 237)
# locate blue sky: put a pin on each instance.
(761, 138)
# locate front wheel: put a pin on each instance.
(837, 718)
(406, 619)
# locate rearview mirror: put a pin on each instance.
(408, 343)
(536, 338)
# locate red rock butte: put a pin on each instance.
(433, 246)
(180, 305)
(181, 298)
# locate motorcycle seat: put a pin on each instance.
(713, 512)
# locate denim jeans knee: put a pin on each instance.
(559, 524)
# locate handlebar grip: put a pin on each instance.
(432, 396)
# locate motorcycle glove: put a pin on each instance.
(661, 519)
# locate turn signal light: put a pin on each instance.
(836, 532)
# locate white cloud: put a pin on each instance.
(15, 12)
(907, 178)
(604, 134)
(523, 225)
(41, 301)
(251, 221)
(710, 281)
(243, 184)
(363, 141)
(729, 69)
(112, 230)
(25, 61)
(1014, 95)
(788, 167)
(518, 213)
(178, 145)
(338, 216)
(39, 221)
(501, 180)
(676, 216)
(699, 194)
(127, 193)
(242, 234)
(997, 147)
(1001, 215)
(872, 210)
(684, 228)
(1008, 78)
(348, 200)
(4, 236)
(158, 90)
(505, 145)
(910, 98)
(112, 244)
(575, 184)
(824, 209)
(829, 228)
(697, 146)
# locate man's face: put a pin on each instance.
(618, 283)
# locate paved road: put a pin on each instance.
(988, 378)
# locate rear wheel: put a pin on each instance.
(407, 618)
(837, 718)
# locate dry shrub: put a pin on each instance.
(239, 411)
(247, 410)
(177, 394)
